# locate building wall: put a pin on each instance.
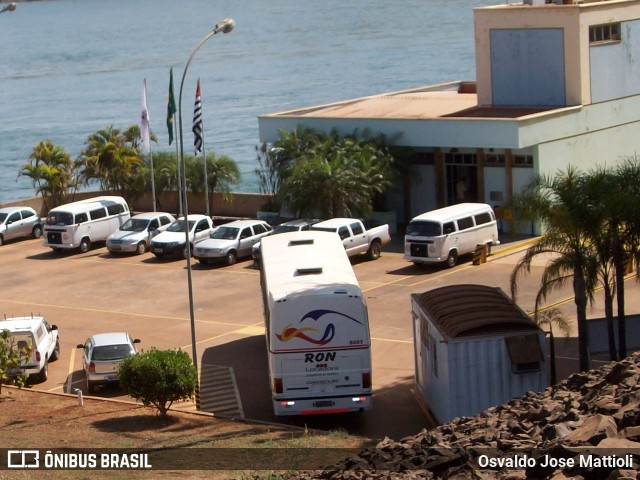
(615, 67)
(527, 67)
(574, 21)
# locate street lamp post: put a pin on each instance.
(8, 8)
(225, 26)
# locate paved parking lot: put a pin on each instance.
(97, 292)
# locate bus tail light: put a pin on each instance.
(366, 380)
(277, 385)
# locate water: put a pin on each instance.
(71, 67)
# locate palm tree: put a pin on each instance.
(52, 172)
(624, 208)
(112, 158)
(558, 202)
(222, 172)
(337, 177)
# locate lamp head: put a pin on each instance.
(9, 8)
(225, 26)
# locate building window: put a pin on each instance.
(523, 161)
(604, 33)
(494, 160)
(433, 347)
(460, 158)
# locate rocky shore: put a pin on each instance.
(586, 427)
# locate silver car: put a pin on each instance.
(18, 222)
(102, 355)
(231, 241)
(135, 235)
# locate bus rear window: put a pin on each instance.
(424, 229)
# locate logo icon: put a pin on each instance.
(290, 332)
(23, 459)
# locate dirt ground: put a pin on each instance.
(36, 420)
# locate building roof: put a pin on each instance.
(468, 310)
(447, 100)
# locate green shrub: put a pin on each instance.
(159, 377)
(11, 357)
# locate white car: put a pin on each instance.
(136, 234)
(231, 241)
(17, 222)
(42, 337)
(102, 355)
(173, 240)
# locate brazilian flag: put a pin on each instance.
(171, 107)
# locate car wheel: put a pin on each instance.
(452, 259)
(44, 373)
(488, 250)
(184, 251)
(374, 250)
(56, 352)
(37, 231)
(90, 387)
(1, 240)
(141, 248)
(231, 257)
(85, 245)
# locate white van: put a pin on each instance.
(79, 224)
(443, 235)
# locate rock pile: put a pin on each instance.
(587, 426)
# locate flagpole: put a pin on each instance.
(225, 26)
(198, 140)
(153, 178)
(179, 170)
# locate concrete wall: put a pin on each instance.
(241, 205)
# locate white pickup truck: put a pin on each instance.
(355, 237)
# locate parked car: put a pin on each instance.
(18, 222)
(102, 355)
(42, 337)
(231, 241)
(173, 240)
(356, 238)
(299, 225)
(136, 234)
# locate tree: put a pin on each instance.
(560, 204)
(159, 377)
(11, 357)
(52, 173)
(222, 175)
(337, 177)
(277, 162)
(113, 159)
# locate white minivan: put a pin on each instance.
(79, 224)
(441, 236)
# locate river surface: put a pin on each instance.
(71, 67)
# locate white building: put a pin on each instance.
(558, 84)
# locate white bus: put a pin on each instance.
(79, 224)
(441, 236)
(317, 327)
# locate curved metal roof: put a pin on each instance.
(467, 310)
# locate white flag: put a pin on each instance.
(144, 119)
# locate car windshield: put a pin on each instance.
(111, 352)
(286, 228)
(60, 218)
(424, 229)
(226, 233)
(135, 225)
(178, 225)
